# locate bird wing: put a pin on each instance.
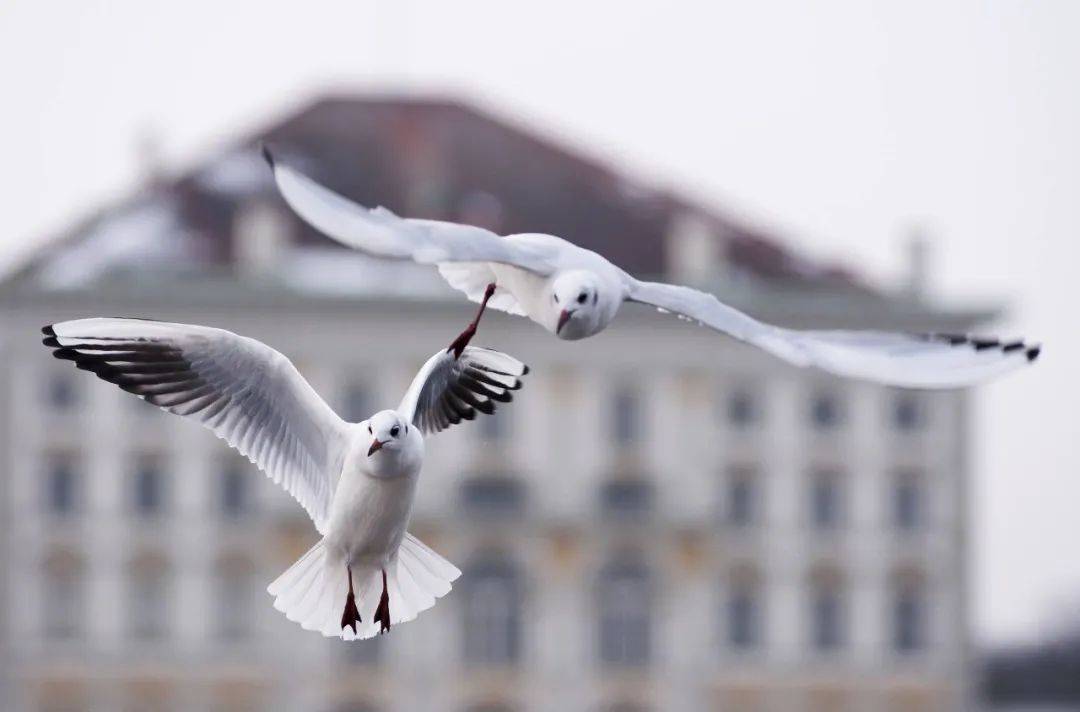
(247, 393)
(447, 390)
(909, 360)
(379, 232)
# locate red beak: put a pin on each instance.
(564, 316)
(375, 447)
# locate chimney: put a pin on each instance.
(918, 264)
(694, 250)
(261, 234)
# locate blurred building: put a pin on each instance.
(663, 519)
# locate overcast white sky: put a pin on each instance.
(838, 124)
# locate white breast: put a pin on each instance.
(369, 514)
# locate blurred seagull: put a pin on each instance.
(356, 480)
(574, 293)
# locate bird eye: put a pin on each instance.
(394, 431)
(556, 296)
(581, 298)
(369, 428)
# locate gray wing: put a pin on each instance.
(908, 360)
(447, 390)
(247, 393)
(379, 232)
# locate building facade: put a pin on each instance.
(664, 519)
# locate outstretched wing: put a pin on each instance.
(909, 360)
(379, 232)
(247, 393)
(448, 390)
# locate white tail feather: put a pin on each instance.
(312, 591)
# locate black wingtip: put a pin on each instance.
(1033, 353)
(525, 371)
(268, 156)
(51, 341)
(48, 330)
(65, 354)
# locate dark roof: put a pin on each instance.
(446, 160)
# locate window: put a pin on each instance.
(907, 502)
(626, 416)
(61, 486)
(826, 501)
(62, 596)
(235, 589)
(624, 602)
(149, 488)
(743, 618)
(825, 411)
(357, 403)
(743, 409)
(493, 495)
(742, 497)
(827, 617)
(908, 412)
(148, 598)
(492, 613)
(61, 393)
(625, 497)
(235, 496)
(907, 620)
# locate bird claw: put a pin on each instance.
(351, 616)
(382, 613)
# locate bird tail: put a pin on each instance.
(313, 591)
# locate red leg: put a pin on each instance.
(351, 616)
(458, 345)
(382, 613)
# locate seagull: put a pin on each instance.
(357, 481)
(575, 293)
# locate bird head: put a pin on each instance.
(388, 431)
(575, 305)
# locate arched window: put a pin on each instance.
(62, 596)
(827, 609)
(148, 596)
(743, 609)
(236, 588)
(492, 620)
(908, 610)
(624, 602)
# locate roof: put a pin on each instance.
(429, 158)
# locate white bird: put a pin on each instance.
(574, 293)
(357, 481)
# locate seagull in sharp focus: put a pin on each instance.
(357, 481)
(575, 293)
